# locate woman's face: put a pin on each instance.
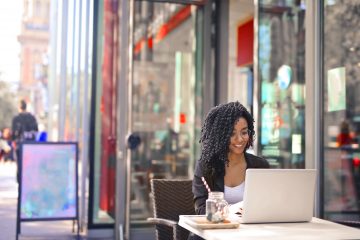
(239, 137)
(6, 133)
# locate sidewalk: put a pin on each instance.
(53, 230)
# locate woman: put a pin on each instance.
(228, 131)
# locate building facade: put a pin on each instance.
(34, 41)
(134, 90)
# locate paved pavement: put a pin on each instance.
(53, 230)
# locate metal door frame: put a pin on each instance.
(122, 198)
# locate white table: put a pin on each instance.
(316, 229)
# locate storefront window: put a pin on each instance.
(165, 100)
(341, 106)
(281, 60)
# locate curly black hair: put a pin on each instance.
(216, 133)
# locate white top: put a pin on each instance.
(234, 194)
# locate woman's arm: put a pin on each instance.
(199, 191)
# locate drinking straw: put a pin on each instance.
(206, 185)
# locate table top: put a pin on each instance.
(315, 229)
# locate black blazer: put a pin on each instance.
(217, 183)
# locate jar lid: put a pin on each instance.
(216, 195)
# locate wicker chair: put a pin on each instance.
(171, 199)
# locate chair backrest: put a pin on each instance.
(171, 198)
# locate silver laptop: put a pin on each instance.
(278, 195)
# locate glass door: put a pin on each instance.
(281, 73)
(166, 98)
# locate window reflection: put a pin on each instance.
(281, 35)
(341, 110)
(105, 114)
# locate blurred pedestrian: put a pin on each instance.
(6, 139)
(24, 128)
(4, 149)
(344, 138)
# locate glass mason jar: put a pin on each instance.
(217, 209)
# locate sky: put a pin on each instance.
(10, 25)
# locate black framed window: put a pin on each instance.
(341, 110)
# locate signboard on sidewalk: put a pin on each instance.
(48, 182)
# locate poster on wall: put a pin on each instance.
(336, 89)
(48, 181)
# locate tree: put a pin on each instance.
(8, 106)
